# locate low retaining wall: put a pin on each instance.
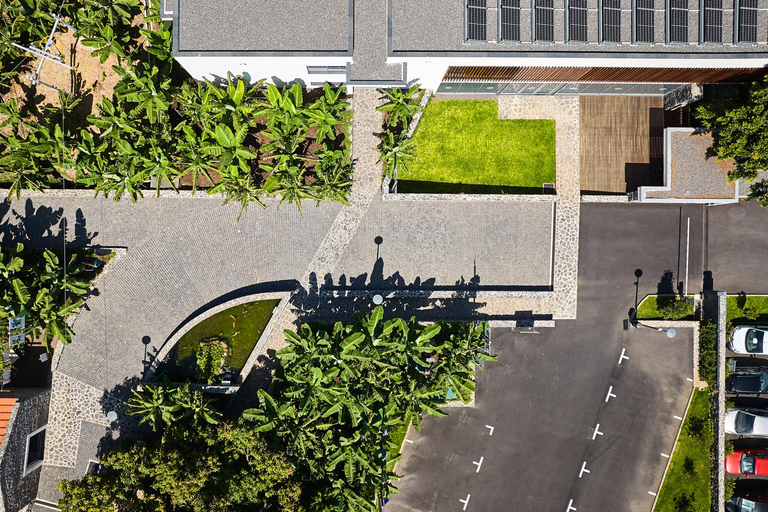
(276, 314)
(722, 312)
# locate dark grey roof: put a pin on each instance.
(263, 25)
(437, 27)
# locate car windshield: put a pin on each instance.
(747, 383)
(747, 465)
(747, 505)
(763, 381)
(744, 423)
(754, 341)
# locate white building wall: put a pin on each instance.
(277, 70)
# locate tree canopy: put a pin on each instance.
(740, 126)
(338, 391)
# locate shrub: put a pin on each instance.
(708, 353)
(730, 486)
(674, 308)
(210, 357)
(750, 312)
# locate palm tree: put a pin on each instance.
(402, 106)
(396, 151)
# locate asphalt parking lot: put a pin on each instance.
(547, 392)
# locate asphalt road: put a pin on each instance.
(548, 391)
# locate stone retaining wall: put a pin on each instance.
(722, 312)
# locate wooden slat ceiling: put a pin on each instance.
(592, 74)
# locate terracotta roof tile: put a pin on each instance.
(6, 407)
(8, 401)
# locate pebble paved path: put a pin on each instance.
(185, 254)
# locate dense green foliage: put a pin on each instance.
(465, 142)
(35, 285)
(189, 468)
(687, 482)
(740, 126)
(396, 148)
(708, 353)
(747, 309)
(337, 393)
(162, 405)
(241, 140)
(666, 307)
(210, 357)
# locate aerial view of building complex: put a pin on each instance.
(384, 255)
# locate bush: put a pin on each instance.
(210, 357)
(750, 312)
(673, 308)
(708, 353)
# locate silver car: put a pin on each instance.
(749, 340)
(747, 422)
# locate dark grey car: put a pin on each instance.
(747, 381)
(736, 504)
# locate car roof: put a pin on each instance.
(745, 383)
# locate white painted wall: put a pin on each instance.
(274, 69)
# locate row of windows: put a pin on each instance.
(711, 21)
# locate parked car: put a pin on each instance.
(746, 422)
(747, 462)
(737, 504)
(749, 340)
(752, 380)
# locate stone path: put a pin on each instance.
(186, 255)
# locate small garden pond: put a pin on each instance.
(233, 332)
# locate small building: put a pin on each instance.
(23, 421)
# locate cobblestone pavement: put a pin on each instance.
(186, 255)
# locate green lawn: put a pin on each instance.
(649, 310)
(464, 142)
(688, 477)
(396, 438)
(242, 332)
(736, 312)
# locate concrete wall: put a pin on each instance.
(29, 414)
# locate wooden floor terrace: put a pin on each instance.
(621, 142)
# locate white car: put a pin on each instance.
(749, 340)
(747, 422)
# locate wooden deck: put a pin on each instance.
(621, 142)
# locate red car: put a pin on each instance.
(747, 462)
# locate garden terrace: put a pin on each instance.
(462, 146)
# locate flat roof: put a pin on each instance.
(437, 27)
(263, 25)
(695, 171)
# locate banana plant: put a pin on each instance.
(402, 106)
(396, 150)
(154, 406)
(190, 160)
(227, 146)
(107, 42)
(112, 121)
(30, 161)
(145, 87)
(237, 186)
(283, 105)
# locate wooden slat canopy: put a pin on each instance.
(593, 74)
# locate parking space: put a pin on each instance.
(547, 393)
(736, 242)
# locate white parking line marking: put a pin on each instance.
(689, 379)
(678, 418)
(622, 357)
(491, 429)
(596, 432)
(665, 455)
(478, 464)
(408, 441)
(465, 502)
(570, 506)
(584, 469)
(652, 493)
(609, 395)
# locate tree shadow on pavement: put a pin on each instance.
(42, 227)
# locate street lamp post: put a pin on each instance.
(671, 333)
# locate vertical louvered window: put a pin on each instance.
(644, 21)
(510, 20)
(544, 14)
(611, 22)
(577, 20)
(677, 19)
(475, 20)
(713, 21)
(747, 16)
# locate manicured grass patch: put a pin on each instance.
(739, 308)
(686, 486)
(649, 309)
(464, 142)
(241, 326)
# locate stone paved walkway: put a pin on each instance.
(188, 254)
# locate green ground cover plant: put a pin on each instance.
(464, 142)
(708, 353)
(747, 309)
(665, 308)
(687, 483)
(239, 327)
